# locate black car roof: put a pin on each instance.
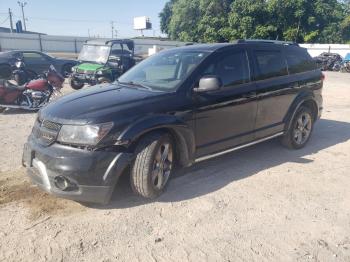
(216, 46)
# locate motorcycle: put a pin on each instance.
(34, 94)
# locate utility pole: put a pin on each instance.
(10, 15)
(112, 25)
(22, 5)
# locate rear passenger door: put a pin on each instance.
(274, 89)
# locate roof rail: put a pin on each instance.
(266, 41)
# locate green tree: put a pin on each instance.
(250, 19)
(183, 24)
(324, 21)
(165, 16)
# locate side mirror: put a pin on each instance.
(208, 84)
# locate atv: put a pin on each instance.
(102, 62)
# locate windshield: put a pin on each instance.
(164, 71)
(94, 53)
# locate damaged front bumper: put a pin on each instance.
(72, 173)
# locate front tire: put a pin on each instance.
(300, 129)
(75, 84)
(153, 165)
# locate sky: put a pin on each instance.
(84, 17)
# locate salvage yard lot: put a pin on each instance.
(263, 203)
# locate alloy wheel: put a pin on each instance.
(302, 128)
(162, 166)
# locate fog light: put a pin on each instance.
(61, 182)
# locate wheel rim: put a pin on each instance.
(162, 166)
(302, 128)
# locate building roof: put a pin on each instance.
(8, 30)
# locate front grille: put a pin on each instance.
(46, 131)
(88, 72)
(51, 125)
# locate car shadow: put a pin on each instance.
(18, 111)
(208, 176)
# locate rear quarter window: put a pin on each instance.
(299, 60)
(270, 63)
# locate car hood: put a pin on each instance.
(89, 66)
(100, 103)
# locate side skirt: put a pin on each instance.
(237, 148)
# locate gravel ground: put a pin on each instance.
(263, 203)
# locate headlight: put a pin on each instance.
(99, 72)
(84, 135)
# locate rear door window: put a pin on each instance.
(232, 67)
(270, 63)
(299, 60)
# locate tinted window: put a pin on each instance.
(232, 68)
(270, 64)
(33, 57)
(299, 60)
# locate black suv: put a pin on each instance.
(175, 108)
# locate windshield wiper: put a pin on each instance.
(132, 83)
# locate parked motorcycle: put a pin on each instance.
(32, 95)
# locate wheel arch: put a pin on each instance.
(182, 135)
(304, 99)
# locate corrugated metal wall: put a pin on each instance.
(67, 44)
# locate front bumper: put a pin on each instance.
(85, 78)
(92, 175)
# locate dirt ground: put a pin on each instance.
(263, 203)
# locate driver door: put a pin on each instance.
(226, 118)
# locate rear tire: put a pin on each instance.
(153, 165)
(300, 129)
(75, 84)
